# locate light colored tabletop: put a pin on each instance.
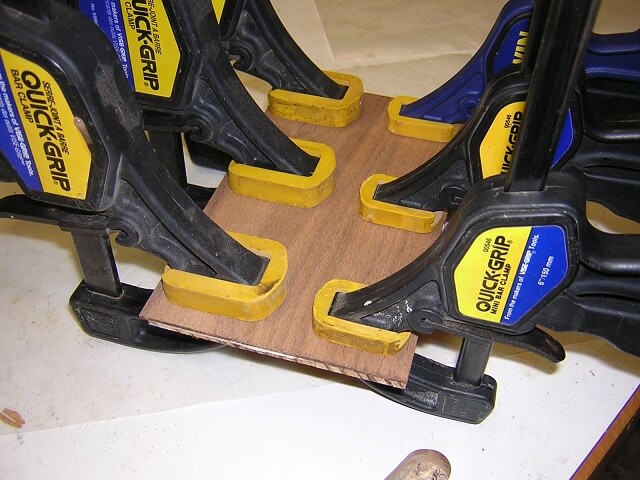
(93, 409)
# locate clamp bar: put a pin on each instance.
(559, 61)
(97, 262)
(536, 30)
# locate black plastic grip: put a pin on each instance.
(117, 319)
(432, 388)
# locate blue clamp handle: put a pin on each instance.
(613, 56)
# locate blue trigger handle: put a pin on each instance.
(454, 101)
(612, 56)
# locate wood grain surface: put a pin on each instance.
(324, 242)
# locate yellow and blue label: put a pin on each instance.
(499, 144)
(218, 7)
(39, 133)
(144, 40)
(507, 271)
(513, 45)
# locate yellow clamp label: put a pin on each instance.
(499, 144)
(152, 45)
(484, 277)
(51, 154)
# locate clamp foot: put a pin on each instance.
(419, 128)
(249, 303)
(328, 112)
(117, 319)
(285, 188)
(392, 215)
(351, 334)
(433, 388)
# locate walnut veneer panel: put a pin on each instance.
(324, 242)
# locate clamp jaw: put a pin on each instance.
(258, 44)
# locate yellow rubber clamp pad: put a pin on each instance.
(417, 127)
(390, 215)
(249, 303)
(337, 330)
(328, 112)
(286, 188)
